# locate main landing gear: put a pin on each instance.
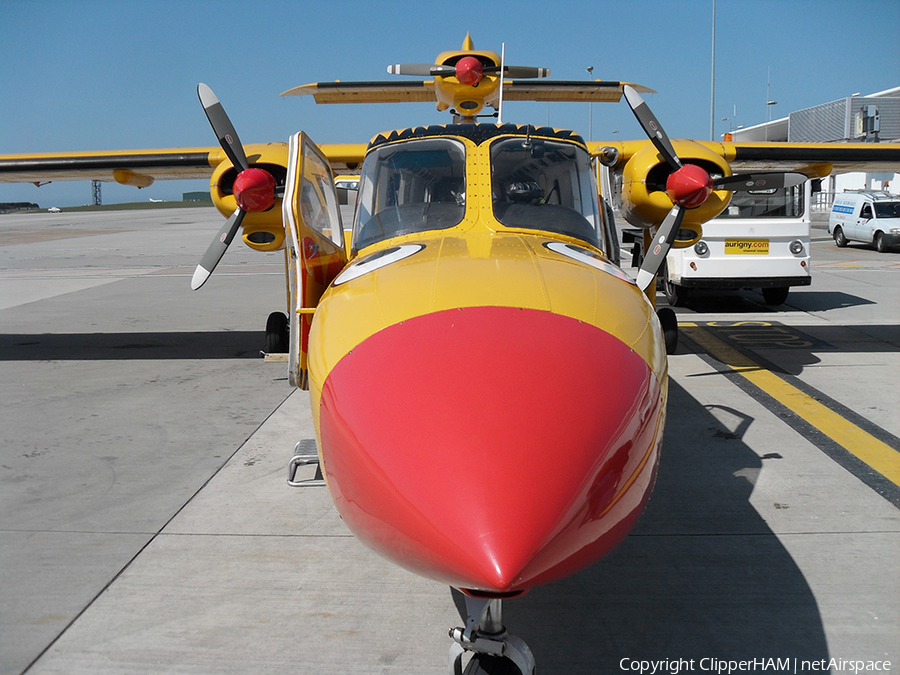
(669, 323)
(277, 329)
(494, 651)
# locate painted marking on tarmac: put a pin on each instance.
(872, 452)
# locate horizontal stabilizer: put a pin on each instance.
(366, 92)
(421, 92)
(596, 91)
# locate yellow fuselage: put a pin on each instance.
(489, 400)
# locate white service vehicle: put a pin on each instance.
(870, 216)
(761, 240)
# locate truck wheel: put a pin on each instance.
(675, 295)
(880, 244)
(775, 296)
(839, 237)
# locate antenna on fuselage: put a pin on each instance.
(502, 73)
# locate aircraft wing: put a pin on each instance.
(567, 90)
(115, 165)
(814, 159)
(367, 92)
(843, 157)
(141, 167)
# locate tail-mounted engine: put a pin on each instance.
(262, 230)
(646, 201)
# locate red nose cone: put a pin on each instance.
(254, 190)
(469, 70)
(490, 448)
(689, 186)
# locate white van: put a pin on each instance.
(761, 241)
(870, 216)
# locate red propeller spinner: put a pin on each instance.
(469, 71)
(689, 186)
(254, 190)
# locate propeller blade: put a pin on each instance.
(759, 181)
(651, 126)
(442, 71)
(659, 247)
(520, 72)
(217, 249)
(222, 127)
(419, 69)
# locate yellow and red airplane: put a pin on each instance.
(487, 384)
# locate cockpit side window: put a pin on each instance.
(413, 186)
(539, 184)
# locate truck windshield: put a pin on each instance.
(887, 209)
(408, 187)
(540, 184)
(774, 203)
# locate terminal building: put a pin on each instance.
(874, 118)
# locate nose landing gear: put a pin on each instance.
(494, 650)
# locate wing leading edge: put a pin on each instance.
(815, 159)
(141, 167)
(108, 166)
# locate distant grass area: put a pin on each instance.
(128, 206)
(133, 206)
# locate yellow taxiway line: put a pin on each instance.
(878, 455)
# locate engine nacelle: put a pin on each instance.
(644, 199)
(262, 231)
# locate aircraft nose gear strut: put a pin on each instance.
(487, 639)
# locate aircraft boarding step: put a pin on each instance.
(305, 454)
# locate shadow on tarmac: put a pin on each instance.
(746, 302)
(820, 301)
(131, 346)
(701, 576)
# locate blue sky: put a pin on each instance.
(104, 75)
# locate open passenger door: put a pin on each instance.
(316, 254)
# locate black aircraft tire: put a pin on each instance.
(669, 323)
(277, 334)
(487, 664)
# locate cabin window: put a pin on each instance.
(318, 207)
(540, 184)
(409, 187)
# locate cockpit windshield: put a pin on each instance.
(411, 187)
(539, 184)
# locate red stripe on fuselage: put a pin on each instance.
(491, 448)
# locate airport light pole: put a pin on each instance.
(590, 71)
(712, 86)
